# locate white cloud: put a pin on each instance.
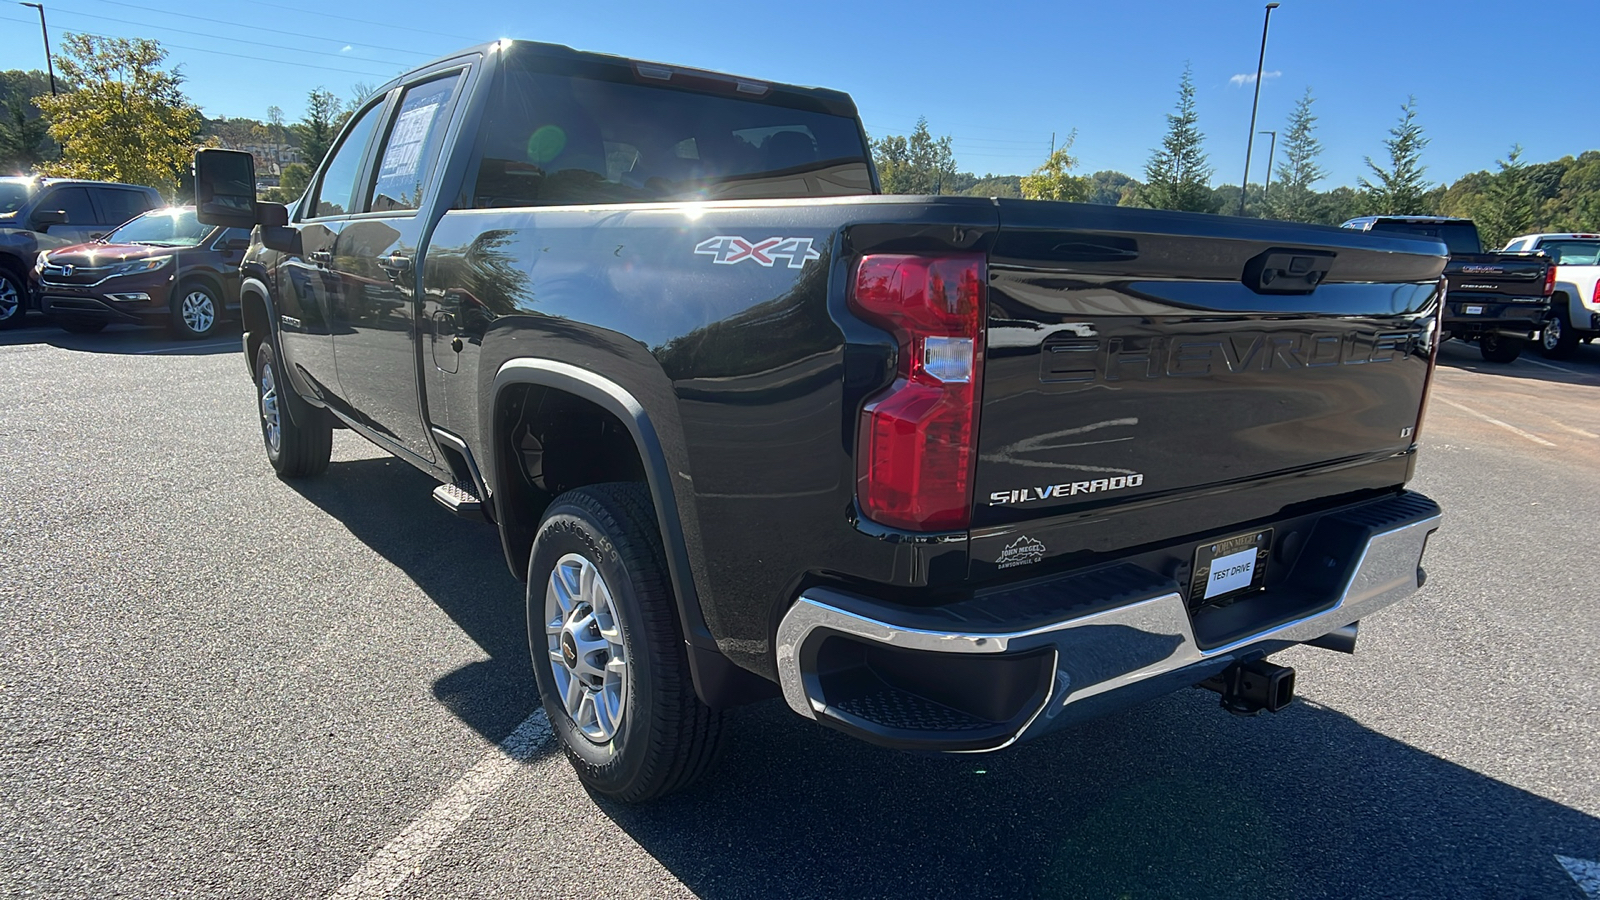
(1245, 78)
(346, 49)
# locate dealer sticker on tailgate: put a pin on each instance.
(1230, 566)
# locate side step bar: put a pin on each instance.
(459, 500)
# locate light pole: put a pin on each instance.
(48, 64)
(1249, 144)
(1272, 150)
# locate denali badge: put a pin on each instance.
(1021, 552)
(1067, 489)
(727, 249)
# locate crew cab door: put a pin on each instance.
(307, 287)
(375, 259)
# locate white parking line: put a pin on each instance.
(1577, 431)
(402, 857)
(182, 347)
(1493, 421)
(1552, 366)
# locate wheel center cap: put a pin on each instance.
(569, 649)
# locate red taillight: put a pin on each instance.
(1596, 298)
(915, 456)
(1550, 279)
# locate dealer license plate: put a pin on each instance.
(1229, 567)
(1473, 311)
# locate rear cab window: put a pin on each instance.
(1572, 251)
(619, 137)
(1460, 237)
(412, 146)
(118, 205)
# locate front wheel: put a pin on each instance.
(196, 311)
(607, 650)
(295, 448)
(13, 299)
(1558, 341)
(1500, 349)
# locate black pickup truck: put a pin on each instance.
(943, 473)
(1499, 299)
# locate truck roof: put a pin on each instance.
(663, 74)
(1361, 221)
(42, 180)
(1556, 235)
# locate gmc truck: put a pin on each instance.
(943, 473)
(1501, 300)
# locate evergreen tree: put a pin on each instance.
(316, 131)
(1178, 175)
(1401, 189)
(1293, 198)
(920, 164)
(1510, 201)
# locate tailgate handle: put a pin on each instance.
(1287, 271)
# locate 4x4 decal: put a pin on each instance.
(728, 249)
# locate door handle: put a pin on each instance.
(321, 257)
(394, 262)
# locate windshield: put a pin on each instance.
(163, 228)
(1460, 237)
(14, 192)
(1572, 253)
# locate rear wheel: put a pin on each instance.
(607, 650)
(196, 311)
(295, 448)
(1558, 341)
(13, 299)
(81, 324)
(1499, 348)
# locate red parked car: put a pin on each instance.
(162, 267)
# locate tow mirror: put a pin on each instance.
(225, 188)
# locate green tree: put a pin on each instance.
(320, 125)
(920, 164)
(996, 186)
(1402, 188)
(126, 119)
(1108, 187)
(1292, 197)
(1510, 201)
(1054, 180)
(24, 132)
(1178, 175)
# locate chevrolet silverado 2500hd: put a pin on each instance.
(944, 473)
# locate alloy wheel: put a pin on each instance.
(1551, 338)
(10, 299)
(271, 424)
(198, 311)
(583, 636)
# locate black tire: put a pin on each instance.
(81, 324)
(1498, 348)
(13, 298)
(665, 738)
(304, 440)
(1558, 341)
(196, 311)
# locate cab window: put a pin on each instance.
(412, 146)
(338, 185)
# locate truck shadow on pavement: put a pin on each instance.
(1582, 368)
(387, 505)
(122, 339)
(1171, 799)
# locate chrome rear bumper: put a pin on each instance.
(1098, 661)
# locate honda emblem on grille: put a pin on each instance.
(66, 271)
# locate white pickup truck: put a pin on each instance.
(1575, 317)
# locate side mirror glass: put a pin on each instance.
(225, 188)
(44, 218)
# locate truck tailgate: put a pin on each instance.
(1137, 390)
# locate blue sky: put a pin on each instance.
(997, 77)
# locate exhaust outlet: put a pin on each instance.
(1339, 640)
(1248, 688)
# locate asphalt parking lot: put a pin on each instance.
(215, 683)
